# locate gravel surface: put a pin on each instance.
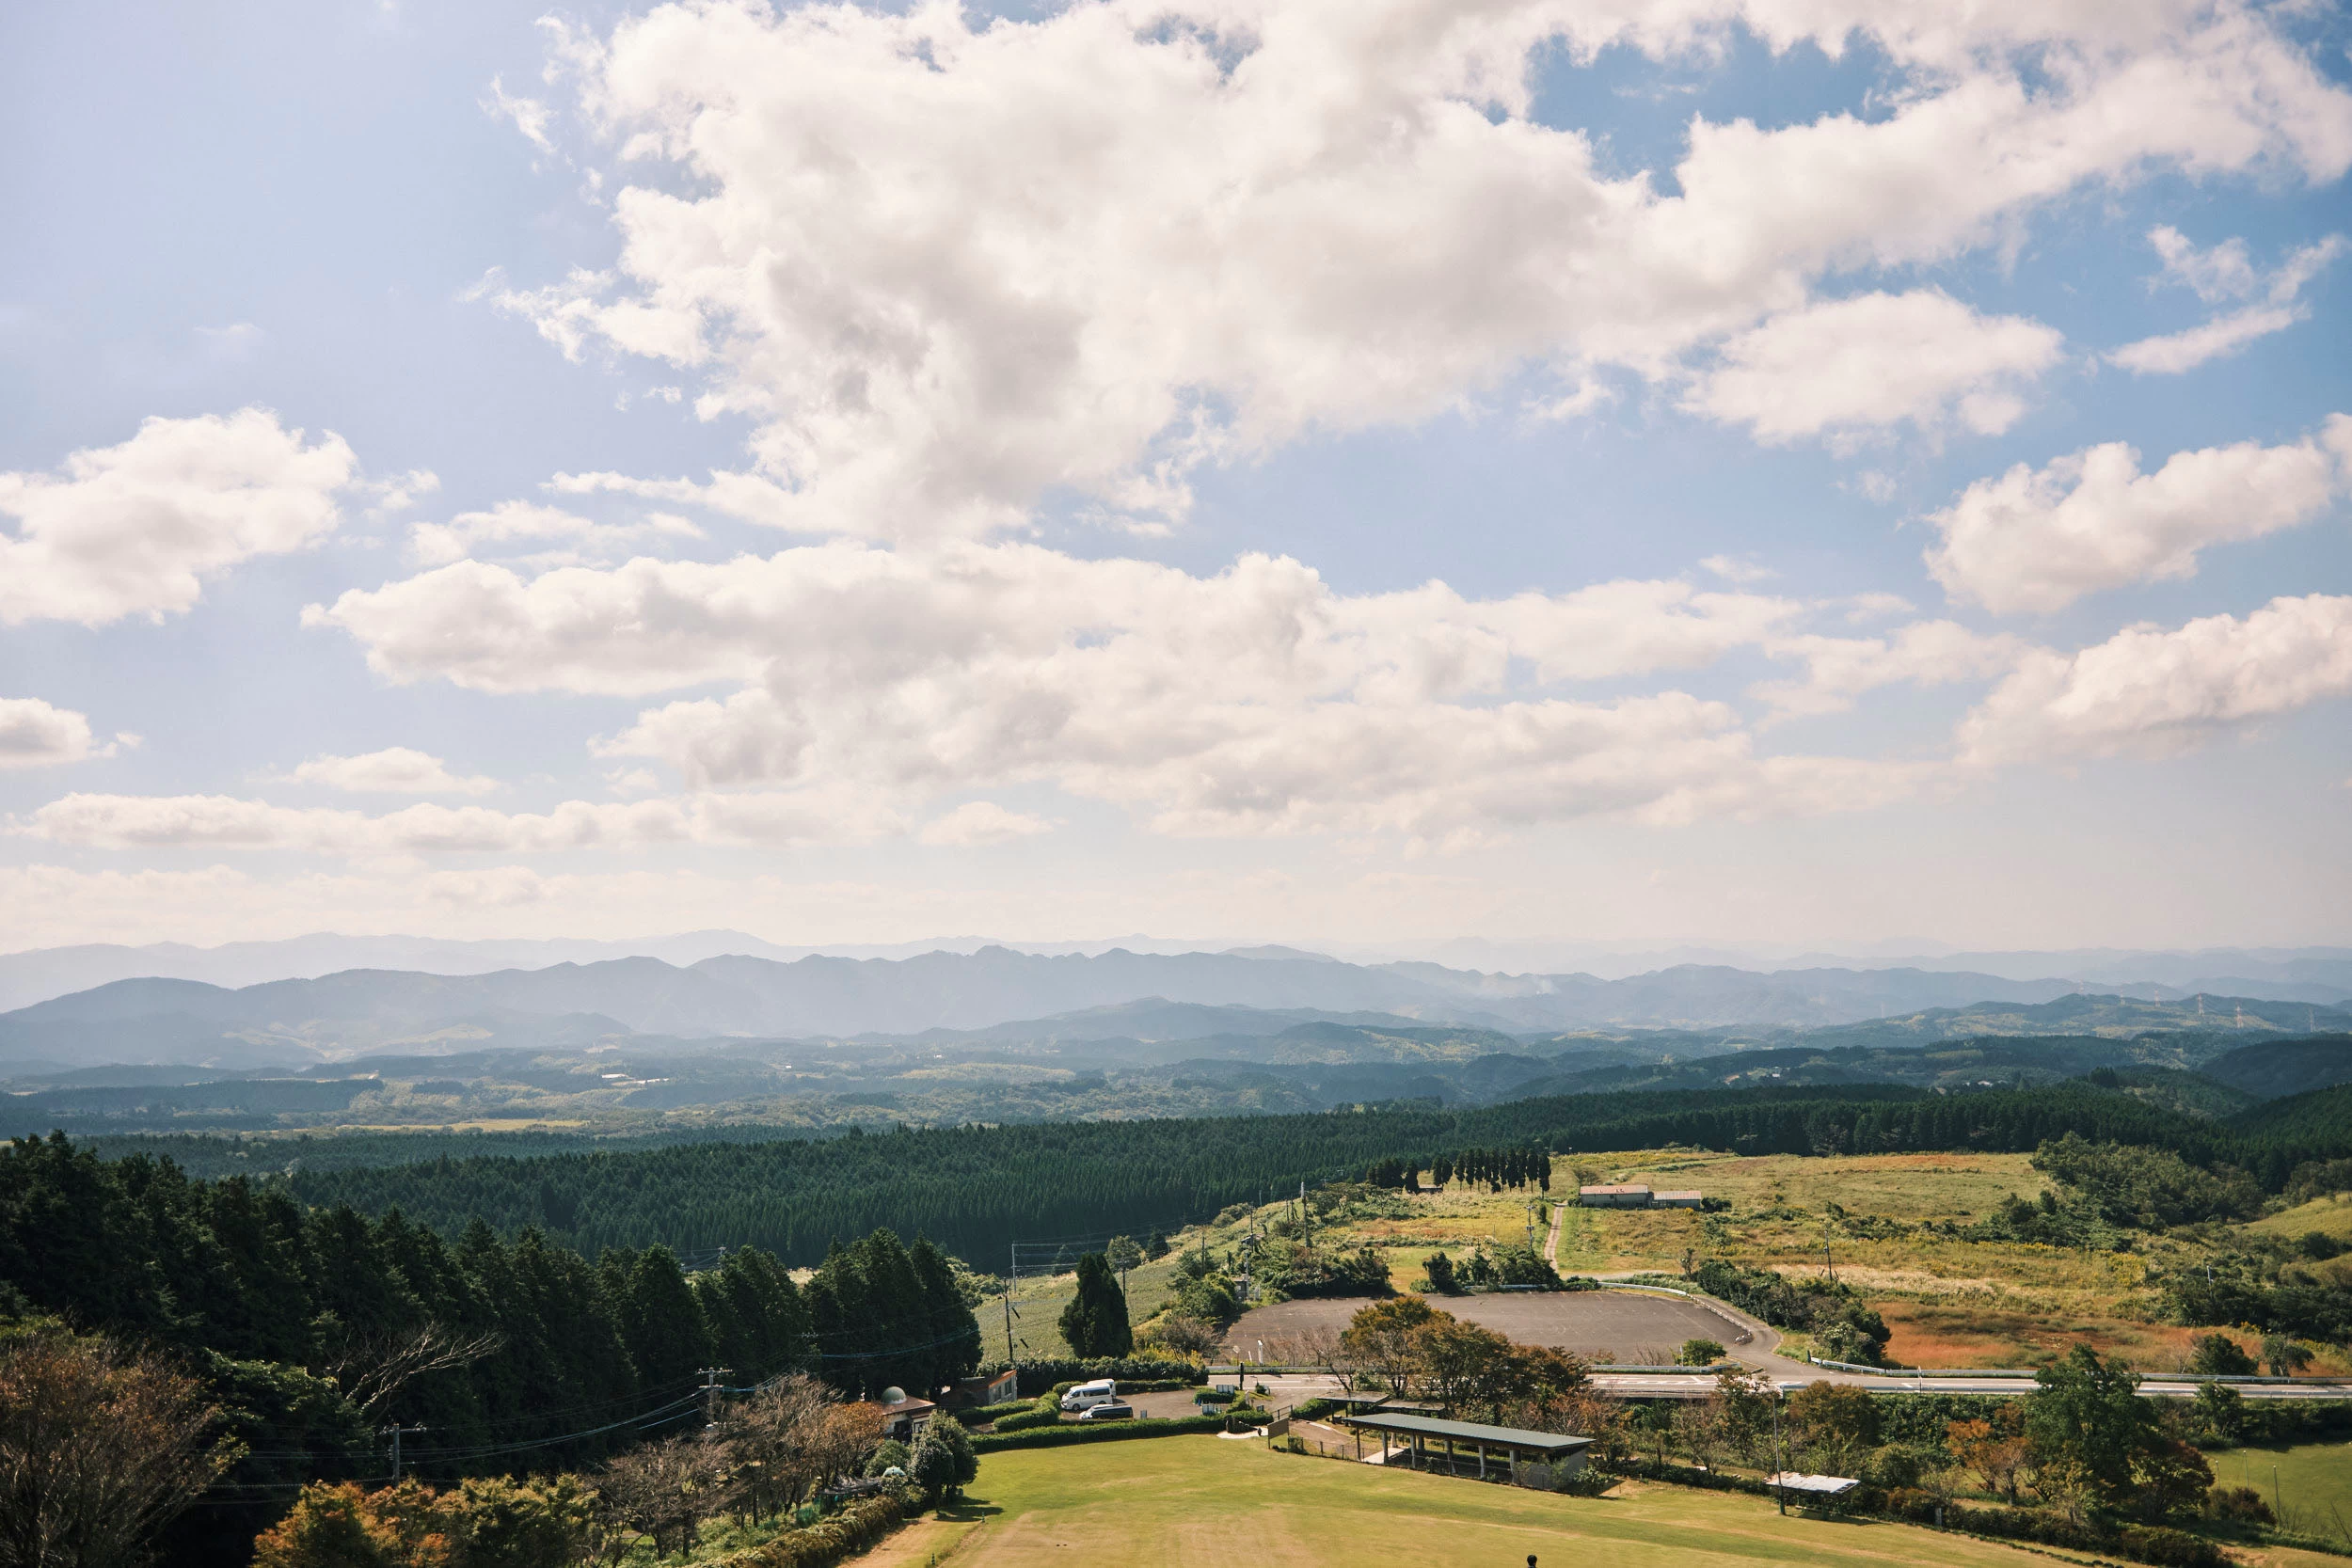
(1628, 1326)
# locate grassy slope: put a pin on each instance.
(1950, 1303)
(1202, 1501)
(2331, 1214)
(2313, 1483)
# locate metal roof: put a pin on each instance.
(1828, 1485)
(1614, 1188)
(1471, 1431)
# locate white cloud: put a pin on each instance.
(530, 115)
(34, 735)
(1839, 668)
(776, 819)
(982, 822)
(466, 534)
(395, 770)
(2224, 271)
(1740, 569)
(1254, 701)
(133, 529)
(2150, 691)
(1874, 360)
(1269, 217)
(2178, 352)
(2036, 540)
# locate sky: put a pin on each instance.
(1359, 471)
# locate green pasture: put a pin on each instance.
(2312, 1484)
(1184, 1500)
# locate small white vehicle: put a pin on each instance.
(1085, 1396)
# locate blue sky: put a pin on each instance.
(855, 474)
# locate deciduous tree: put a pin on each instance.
(99, 1448)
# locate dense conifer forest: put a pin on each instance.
(973, 1190)
(317, 1327)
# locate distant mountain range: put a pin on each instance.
(2322, 976)
(999, 996)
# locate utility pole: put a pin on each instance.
(1012, 1277)
(1780, 1493)
(710, 1376)
(395, 1432)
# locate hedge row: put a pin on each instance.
(1038, 1376)
(857, 1527)
(2166, 1548)
(1095, 1432)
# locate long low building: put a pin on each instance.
(1619, 1195)
(1540, 1459)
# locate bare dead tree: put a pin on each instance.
(100, 1448)
(767, 1439)
(663, 1491)
(372, 1368)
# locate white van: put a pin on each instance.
(1085, 1396)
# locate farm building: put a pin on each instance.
(1618, 1196)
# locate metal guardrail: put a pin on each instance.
(2029, 1371)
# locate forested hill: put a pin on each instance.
(974, 1189)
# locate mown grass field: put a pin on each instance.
(1187, 1500)
(2311, 1483)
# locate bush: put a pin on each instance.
(1044, 1412)
(1833, 1313)
(2238, 1505)
(2218, 1354)
(1699, 1353)
(1095, 1432)
(1439, 1270)
(828, 1540)
(1130, 1371)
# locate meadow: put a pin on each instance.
(2310, 1485)
(1948, 1302)
(1184, 1500)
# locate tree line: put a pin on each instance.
(312, 1328)
(975, 1190)
(1500, 1168)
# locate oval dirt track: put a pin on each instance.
(1628, 1326)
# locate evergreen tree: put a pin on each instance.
(660, 1322)
(1095, 1322)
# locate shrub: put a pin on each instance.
(2238, 1505)
(1095, 1432)
(1699, 1353)
(2218, 1354)
(855, 1528)
(1439, 1270)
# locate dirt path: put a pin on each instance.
(920, 1543)
(1552, 1242)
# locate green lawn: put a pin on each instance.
(1186, 1500)
(2313, 1483)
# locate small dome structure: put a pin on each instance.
(894, 1395)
